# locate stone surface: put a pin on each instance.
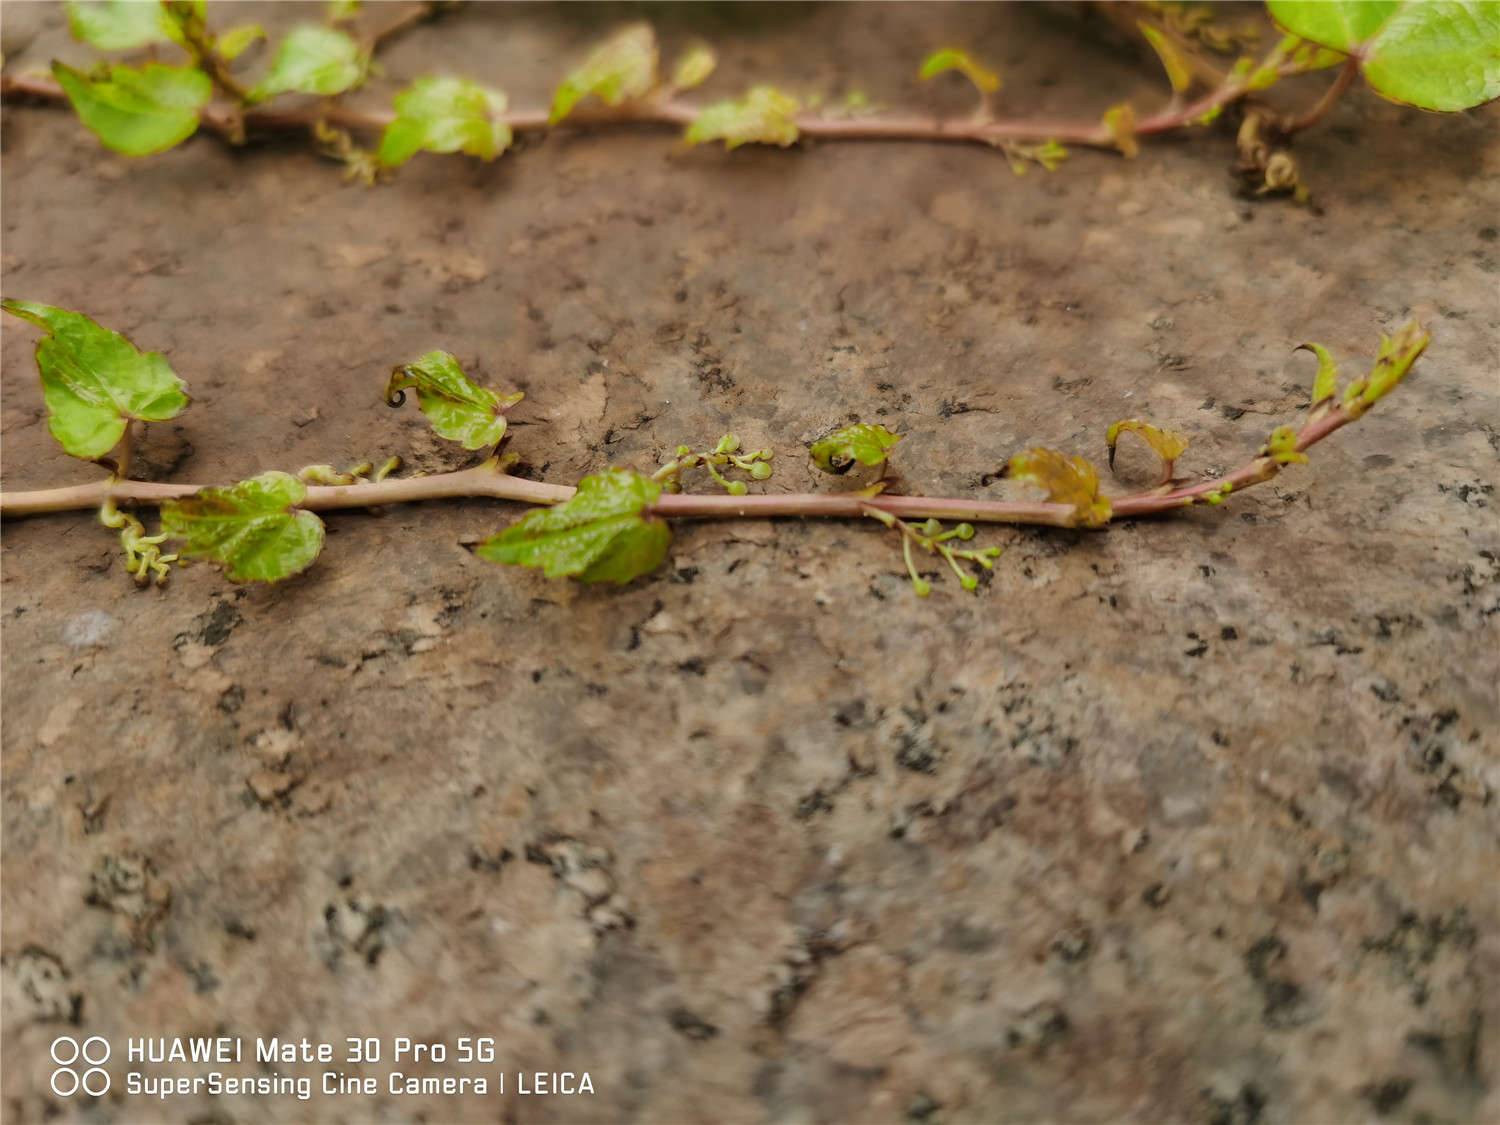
(1190, 821)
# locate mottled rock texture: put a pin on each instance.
(1190, 821)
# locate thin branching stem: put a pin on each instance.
(1315, 113)
(489, 480)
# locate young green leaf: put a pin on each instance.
(237, 40)
(137, 111)
(951, 58)
(1434, 54)
(446, 115)
(604, 533)
(1166, 444)
(1068, 480)
(765, 115)
(693, 67)
(1119, 123)
(458, 409)
(865, 443)
(1326, 382)
(252, 529)
(620, 69)
(1179, 73)
(121, 25)
(313, 60)
(1397, 354)
(1282, 447)
(94, 381)
(340, 11)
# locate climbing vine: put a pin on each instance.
(613, 526)
(1433, 54)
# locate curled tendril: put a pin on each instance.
(395, 397)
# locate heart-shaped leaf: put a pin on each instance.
(1434, 54)
(313, 60)
(137, 110)
(763, 116)
(94, 381)
(620, 69)
(458, 409)
(1068, 480)
(864, 442)
(121, 25)
(446, 115)
(604, 533)
(252, 529)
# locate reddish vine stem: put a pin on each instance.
(1319, 109)
(227, 121)
(488, 480)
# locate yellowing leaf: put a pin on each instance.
(252, 529)
(94, 381)
(313, 60)
(694, 67)
(1167, 444)
(1119, 123)
(446, 115)
(137, 111)
(952, 58)
(458, 409)
(763, 116)
(864, 443)
(1067, 480)
(604, 533)
(620, 69)
(1179, 73)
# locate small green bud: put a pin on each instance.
(964, 531)
(728, 444)
(969, 582)
(921, 586)
(736, 488)
(760, 470)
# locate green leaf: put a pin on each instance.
(620, 69)
(866, 443)
(1166, 444)
(137, 111)
(337, 11)
(763, 116)
(604, 533)
(1068, 480)
(121, 25)
(1395, 358)
(1326, 382)
(94, 381)
(1179, 74)
(1435, 54)
(313, 60)
(446, 115)
(1282, 447)
(693, 67)
(252, 529)
(458, 409)
(237, 40)
(951, 58)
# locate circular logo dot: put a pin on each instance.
(64, 1083)
(64, 1045)
(95, 1081)
(96, 1049)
